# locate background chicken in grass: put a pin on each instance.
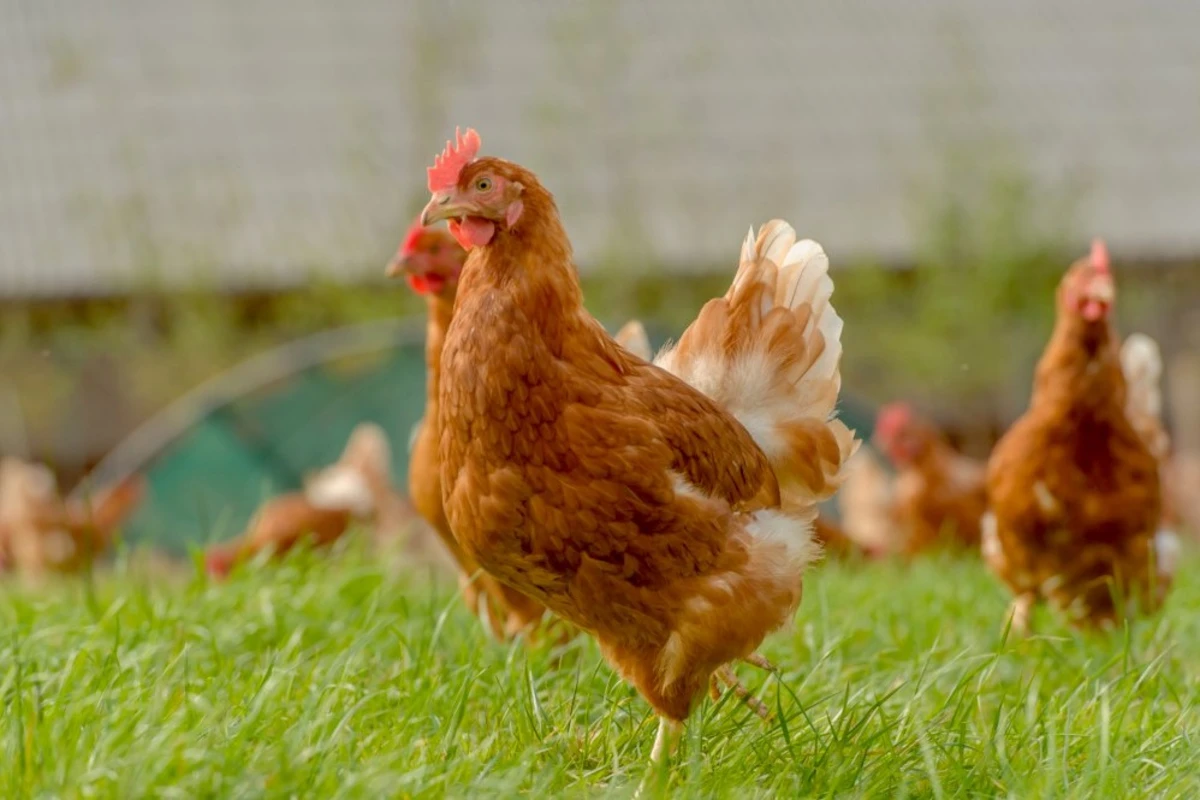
(1073, 488)
(356, 490)
(938, 496)
(42, 533)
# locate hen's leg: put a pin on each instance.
(1020, 614)
(665, 744)
(666, 741)
(726, 676)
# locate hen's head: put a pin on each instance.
(901, 434)
(1088, 290)
(431, 260)
(479, 196)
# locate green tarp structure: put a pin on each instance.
(215, 454)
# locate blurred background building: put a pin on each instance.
(183, 184)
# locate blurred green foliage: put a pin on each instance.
(962, 325)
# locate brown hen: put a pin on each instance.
(1073, 489)
(665, 508)
(355, 489)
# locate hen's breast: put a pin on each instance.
(1084, 483)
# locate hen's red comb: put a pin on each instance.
(412, 237)
(1100, 261)
(449, 165)
(892, 418)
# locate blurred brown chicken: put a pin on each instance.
(40, 532)
(938, 496)
(1073, 488)
(356, 489)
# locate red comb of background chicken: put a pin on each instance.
(443, 175)
(218, 561)
(892, 418)
(1100, 256)
(412, 237)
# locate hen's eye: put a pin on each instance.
(483, 184)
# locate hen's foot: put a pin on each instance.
(726, 676)
(1020, 614)
(665, 744)
(755, 660)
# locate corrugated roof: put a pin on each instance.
(252, 140)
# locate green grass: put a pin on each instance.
(332, 678)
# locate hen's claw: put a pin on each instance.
(754, 659)
(726, 676)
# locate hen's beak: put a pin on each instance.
(1098, 298)
(396, 266)
(1102, 290)
(440, 207)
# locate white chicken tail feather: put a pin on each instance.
(769, 353)
(1141, 362)
(1166, 552)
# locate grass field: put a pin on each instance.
(328, 679)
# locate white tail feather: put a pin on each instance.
(1141, 363)
(775, 385)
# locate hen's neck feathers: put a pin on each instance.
(934, 455)
(1081, 368)
(532, 264)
